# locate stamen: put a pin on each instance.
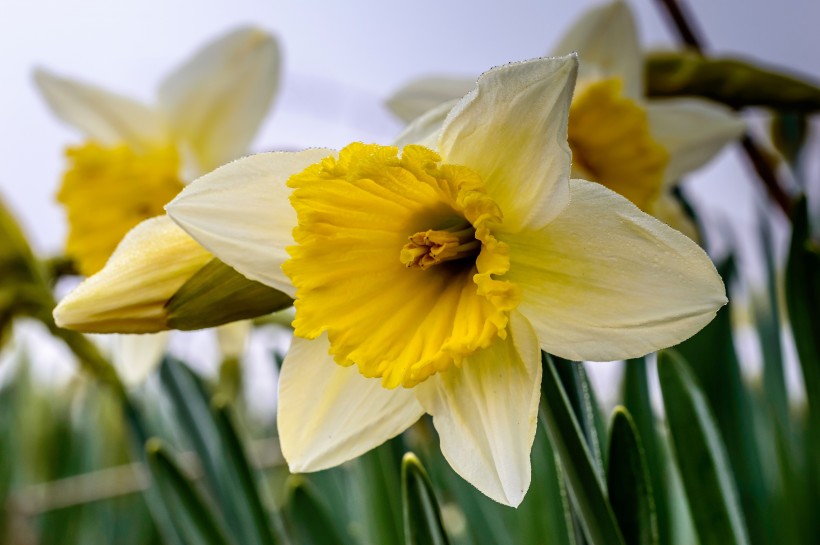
(431, 247)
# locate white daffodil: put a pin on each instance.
(636, 147)
(427, 281)
(137, 157)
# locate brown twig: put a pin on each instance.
(683, 24)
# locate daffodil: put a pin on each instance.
(137, 157)
(428, 280)
(638, 148)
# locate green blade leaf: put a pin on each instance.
(587, 411)
(585, 487)
(736, 83)
(217, 295)
(711, 357)
(803, 301)
(198, 425)
(197, 521)
(639, 404)
(243, 475)
(422, 517)
(701, 456)
(310, 522)
(628, 483)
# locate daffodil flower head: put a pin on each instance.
(137, 158)
(428, 278)
(436, 285)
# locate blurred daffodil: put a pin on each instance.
(636, 147)
(427, 279)
(137, 158)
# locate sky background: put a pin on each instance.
(341, 61)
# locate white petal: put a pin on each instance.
(99, 114)
(512, 130)
(426, 129)
(149, 265)
(606, 41)
(136, 356)
(329, 414)
(605, 281)
(241, 213)
(424, 94)
(486, 412)
(692, 131)
(216, 100)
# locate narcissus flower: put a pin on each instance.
(427, 280)
(138, 157)
(638, 148)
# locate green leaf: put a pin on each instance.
(555, 411)
(628, 483)
(587, 412)
(712, 359)
(197, 521)
(199, 426)
(639, 404)
(803, 301)
(310, 522)
(217, 295)
(243, 475)
(701, 456)
(736, 83)
(378, 473)
(422, 517)
(545, 515)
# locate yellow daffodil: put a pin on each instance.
(137, 157)
(636, 147)
(426, 280)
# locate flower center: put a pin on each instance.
(434, 246)
(612, 144)
(108, 190)
(355, 215)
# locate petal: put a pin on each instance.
(218, 98)
(604, 281)
(606, 41)
(136, 356)
(129, 294)
(512, 129)
(425, 130)
(692, 131)
(329, 414)
(99, 114)
(241, 213)
(424, 94)
(486, 413)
